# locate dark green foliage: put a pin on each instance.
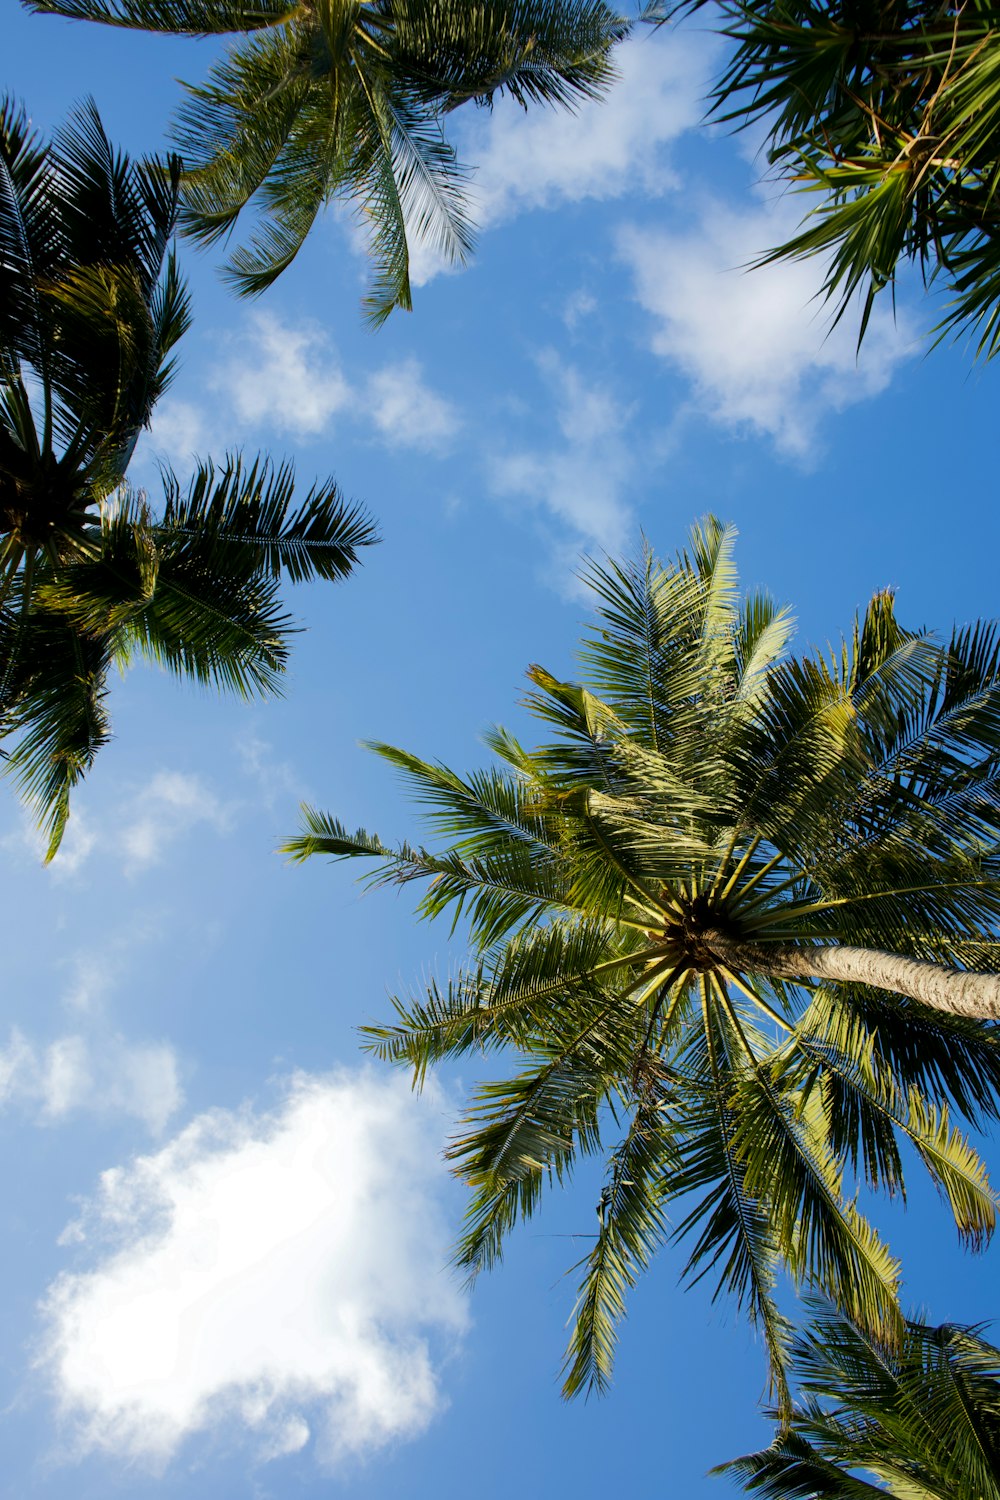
(888, 117)
(337, 99)
(91, 307)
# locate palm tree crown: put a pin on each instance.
(921, 1417)
(886, 114)
(325, 98)
(649, 894)
(91, 307)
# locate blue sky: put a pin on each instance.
(224, 1236)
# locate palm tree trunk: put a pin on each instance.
(953, 990)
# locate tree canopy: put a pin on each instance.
(91, 309)
(886, 117)
(334, 98)
(650, 895)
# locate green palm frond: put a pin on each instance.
(29, 237)
(735, 1232)
(889, 131)
(633, 1226)
(54, 684)
(922, 1418)
(241, 517)
(234, 128)
(556, 55)
(189, 17)
(528, 1130)
(657, 899)
(321, 102)
(93, 307)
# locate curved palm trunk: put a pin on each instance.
(953, 990)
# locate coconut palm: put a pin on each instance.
(734, 920)
(889, 117)
(91, 306)
(922, 1418)
(331, 98)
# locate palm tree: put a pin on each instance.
(922, 1418)
(332, 98)
(886, 115)
(91, 306)
(735, 915)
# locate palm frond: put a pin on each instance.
(241, 517)
(706, 815)
(187, 17)
(632, 1227)
(922, 1418)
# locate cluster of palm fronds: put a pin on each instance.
(334, 99)
(314, 101)
(920, 1416)
(888, 115)
(91, 307)
(633, 886)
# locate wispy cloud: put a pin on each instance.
(276, 1275)
(169, 806)
(755, 344)
(103, 1076)
(135, 829)
(271, 778)
(581, 481)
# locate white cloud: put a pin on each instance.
(169, 806)
(618, 145)
(93, 975)
(76, 848)
(755, 344)
(17, 1062)
(138, 828)
(407, 412)
(178, 433)
(580, 482)
(578, 307)
(279, 1275)
(142, 1080)
(283, 377)
(65, 1078)
(103, 1076)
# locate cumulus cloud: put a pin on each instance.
(579, 482)
(275, 1275)
(755, 344)
(606, 149)
(283, 376)
(407, 412)
(107, 1076)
